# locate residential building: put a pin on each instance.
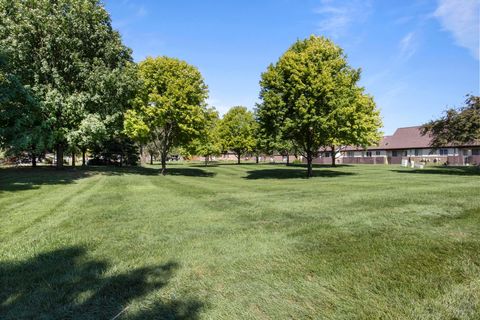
(405, 144)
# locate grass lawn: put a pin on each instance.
(240, 242)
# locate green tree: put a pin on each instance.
(457, 126)
(237, 131)
(170, 108)
(89, 135)
(285, 148)
(65, 51)
(310, 97)
(208, 144)
(117, 150)
(152, 151)
(355, 123)
(21, 126)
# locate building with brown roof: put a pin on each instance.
(405, 144)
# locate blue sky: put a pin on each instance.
(417, 57)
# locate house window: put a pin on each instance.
(394, 153)
(418, 152)
(349, 153)
(369, 153)
(405, 152)
(443, 152)
(377, 153)
(475, 152)
(327, 154)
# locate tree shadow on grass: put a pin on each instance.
(211, 164)
(65, 284)
(17, 179)
(25, 178)
(190, 172)
(457, 171)
(293, 173)
(149, 171)
(319, 165)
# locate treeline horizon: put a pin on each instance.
(68, 84)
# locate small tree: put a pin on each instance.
(311, 98)
(458, 126)
(237, 131)
(152, 151)
(170, 108)
(271, 144)
(208, 144)
(90, 134)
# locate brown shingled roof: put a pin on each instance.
(403, 138)
(407, 138)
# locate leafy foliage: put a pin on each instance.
(237, 131)
(21, 128)
(91, 133)
(209, 143)
(119, 150)
(72, 60)
(311, 98)
(170, 109)
(458, 127)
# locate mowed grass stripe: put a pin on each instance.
(46, 206)
(242, 242)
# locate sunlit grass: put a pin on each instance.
(246, 242)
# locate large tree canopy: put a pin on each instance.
(237, 131)
(21, 127)
(458, 127)
(67, 53)
(170, 109)
(311, 98)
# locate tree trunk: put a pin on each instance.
(238, 158)
(34, 160)
(142, 158)
(83, 158)
(73, 159)
(164, 163)
(151, 158)
(333, 156)
(59, 156)
(256, 159)
(206, 161)
(288, 159)
(309, 165)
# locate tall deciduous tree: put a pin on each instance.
(68, 54)
(21, 126)
(170, 109)
(237, 131)
(458, 127)
(311, 98)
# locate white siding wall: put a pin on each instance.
(407, 153)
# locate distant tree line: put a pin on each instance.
(69, 85)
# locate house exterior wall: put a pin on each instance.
(279, 159)
(408, 143)
(452, 156)
(364, 160)
(321, 160)
(473, 160)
